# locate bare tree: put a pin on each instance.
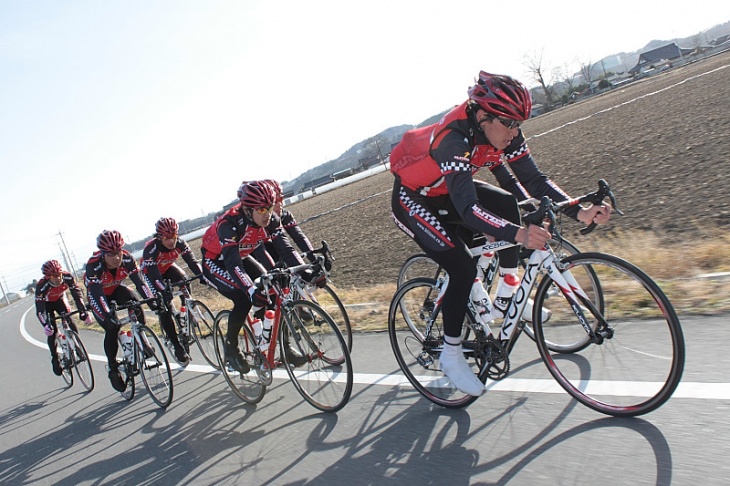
(537, 70)
(586, 70)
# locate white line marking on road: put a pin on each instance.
(705, 391)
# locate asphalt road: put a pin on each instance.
(51, 434)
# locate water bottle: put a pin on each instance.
(485, 259)
(267, 325)
(184, 320)
(480, 299)
(62, 344)
(125, 339)
(506, 289)
(258, 334)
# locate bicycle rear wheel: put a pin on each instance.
(326, 379)
(64, 362)
(128, 371)
(154, 367)
(417, 349)
(249, 386)
(637, 361)
(201, 325)
(419, 265)
(81, 361)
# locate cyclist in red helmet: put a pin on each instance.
(437, 202)
(50, 298)
(106, 271)
(158, 264)
(294, 233)
(232, 249)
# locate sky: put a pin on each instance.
(114, 114)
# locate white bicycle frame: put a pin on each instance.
(540, 260)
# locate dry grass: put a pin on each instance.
(676, 266)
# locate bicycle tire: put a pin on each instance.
(201, 322)
(249, 386)
(590, 284)
(332, 305)
(325, 381)
(154, 367)
(128, 371)
(81, 361)
(417, 350)
(639, 363)
(419, 265)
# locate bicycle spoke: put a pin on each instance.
(316, 356)
(417, 349)
(249, 386)
(154, 367)
(636, 361)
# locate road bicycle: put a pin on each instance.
(141, 353)
(193, 320)
(626, 353)
(325, 377)
(72, 353)
(325, 296)
(421, 265)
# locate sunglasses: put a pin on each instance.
(510, 123)
(263, 211)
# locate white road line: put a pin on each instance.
(705, 391)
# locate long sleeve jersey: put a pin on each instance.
(157, 258)
(101, 282)
(45, 292)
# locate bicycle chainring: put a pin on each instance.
(496, 359)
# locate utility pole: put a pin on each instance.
(5, 294)
(65, 253)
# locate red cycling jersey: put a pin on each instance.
(45, 292)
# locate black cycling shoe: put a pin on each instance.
(118, 383)
(56, 366)
(293, 357)
(181, 356)
(237, 361)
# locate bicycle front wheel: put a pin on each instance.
(315, 356)
(635, 362)
(201, 324)
(248, 386)
(590, 285)
(81, 361)
(330, 302)
(415, 328)
(154, 367)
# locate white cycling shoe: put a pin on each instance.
(456, 369)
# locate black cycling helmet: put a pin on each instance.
(110, 241)
(256, 194)
(501, 96)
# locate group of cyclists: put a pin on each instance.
(241, 245)
(435, 201)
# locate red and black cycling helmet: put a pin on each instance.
(110, 241)
(278, 190)
(166, 228)
(256, 194)
(50, 268)
(501, 96)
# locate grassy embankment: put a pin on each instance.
(678, 274)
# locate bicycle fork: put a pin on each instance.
(575, 295)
